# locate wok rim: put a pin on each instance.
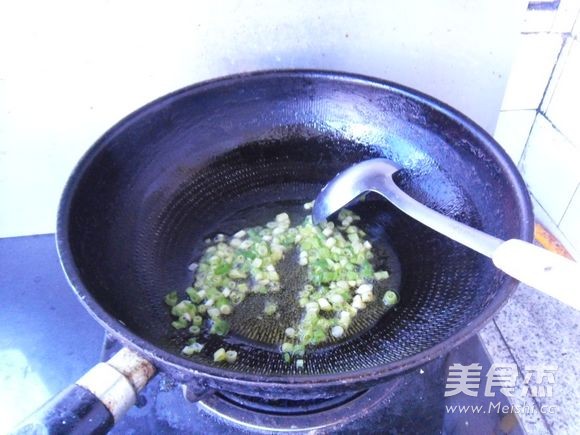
(165, 360)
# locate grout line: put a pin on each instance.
(543, 209)
(520, 371)
(516, 110)
(574, 23)
(503, 354)
(568, 205)
(555, 127)
(524, 151)
(538, 109)
(562, 46)
(545, 32)
(507, 347)
(546, 220)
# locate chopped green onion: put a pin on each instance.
(221, 301)
(192, 348)
(171, 299)
(270, 308)
(337, 331)
(240, 234)
(197, 320)
(390, 298)
(220, 327)
(231, 356)
(193, 295)
(324, 304)
(340, 275)
(213, 312)
(179, 324)
(358, 303)
(381, 275)
(226, 310)
(219, 355)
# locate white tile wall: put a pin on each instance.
(550, 84)
(551, 168)
(556, 73)
(562, 109)
(559, 20)
(533, 64)
(512, 131)
(576, 29)
(538, 21)
(570, 224)
(566, 16)
(551, 165)
(71, 69)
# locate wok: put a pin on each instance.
(233, 152)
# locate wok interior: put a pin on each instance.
(181, 171)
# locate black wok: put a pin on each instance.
(232, 152)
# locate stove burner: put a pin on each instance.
(283, 415)
(288, 406)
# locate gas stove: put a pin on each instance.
(164, 409)
(411, 403)
(48, 341)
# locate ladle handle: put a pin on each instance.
(553, 274)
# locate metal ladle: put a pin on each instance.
(553, 274)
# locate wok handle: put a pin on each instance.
(96, 401)
(553, 274)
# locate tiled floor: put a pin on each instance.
(535, 330)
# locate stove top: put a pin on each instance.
(412, 403)
(47, 341)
